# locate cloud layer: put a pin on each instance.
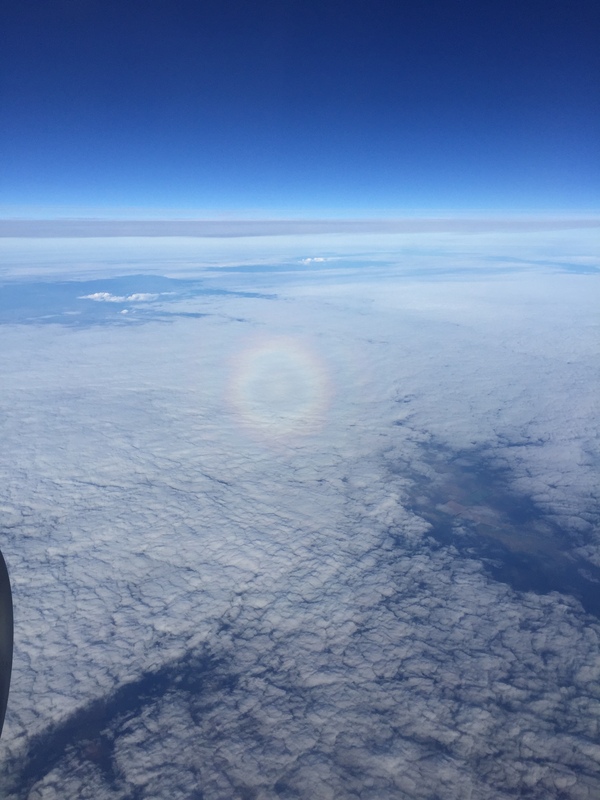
(210, 608)
(279, 227)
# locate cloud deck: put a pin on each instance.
(207, 609)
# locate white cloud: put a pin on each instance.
(148, 528)
(107, 297)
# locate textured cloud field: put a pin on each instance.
(307, 529)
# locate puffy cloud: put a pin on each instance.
(107, 297)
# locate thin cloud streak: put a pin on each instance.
(84, 228)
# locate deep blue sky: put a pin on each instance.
(295, 106)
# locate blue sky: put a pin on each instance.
(282, 108)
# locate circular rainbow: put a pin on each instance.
(279, 388)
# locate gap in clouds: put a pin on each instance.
(124, 300)
(467, 499)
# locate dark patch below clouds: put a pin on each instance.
(470, 506)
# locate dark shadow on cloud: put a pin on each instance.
(90, 734)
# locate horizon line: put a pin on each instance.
(86, 227)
